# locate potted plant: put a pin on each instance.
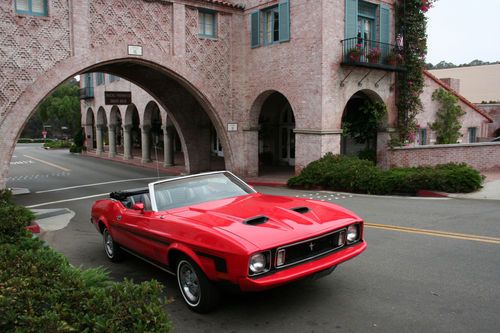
(354, 54)
(393, 58)
(373, 55)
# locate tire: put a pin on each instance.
(111, 249)
(199, 294)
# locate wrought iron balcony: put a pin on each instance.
(87, 93)
(372, 54)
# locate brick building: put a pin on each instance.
(272, 78)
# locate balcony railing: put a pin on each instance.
(372, 54)
(87, 93)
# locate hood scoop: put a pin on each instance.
(256, 220)
(301, 210)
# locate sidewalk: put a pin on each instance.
(490, 190)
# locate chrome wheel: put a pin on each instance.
(188, 283)
(108, 244)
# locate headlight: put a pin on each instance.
(259, 263)
(352, 233)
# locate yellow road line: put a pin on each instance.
(48, 163)
(453, 235)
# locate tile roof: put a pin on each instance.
(460, 97)
(225, 4)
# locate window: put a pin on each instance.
(422, 136)
(472, 134)
(361, 20)
(32, 7)
(270, 25)
(99, 79)
(207, 23)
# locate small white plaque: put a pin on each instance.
(232, 127)
(135, 50)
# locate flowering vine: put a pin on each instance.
(411, 24)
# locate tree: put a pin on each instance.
(362, 125)
(447, 124)
(60, 109)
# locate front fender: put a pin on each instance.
(205, 263)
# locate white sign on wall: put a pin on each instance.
(135, 50)
(232, 127)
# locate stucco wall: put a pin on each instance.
(471, 118)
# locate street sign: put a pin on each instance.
(44, 133)
(117, 97)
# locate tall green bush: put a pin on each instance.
(447, 125)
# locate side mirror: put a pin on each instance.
(138, 206)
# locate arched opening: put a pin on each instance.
(276, 135)
(101, 131)
(497, 133)
(153, 130)
(115, 131)
(191, 110)
(363, 115)
(90, 130)
(131, 132)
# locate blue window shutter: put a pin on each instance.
(255, 29)
(351, 19)
(284, 23)
(385, 23)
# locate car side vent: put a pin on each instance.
(256, 220)
(301, 210)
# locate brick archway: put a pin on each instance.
(157, 68)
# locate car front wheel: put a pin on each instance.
(198, 292)
(112, 250)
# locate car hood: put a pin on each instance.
(268, 221)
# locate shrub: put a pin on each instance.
(57, 144)
(13, 221)
(343, 173)
(41, 292)
(75, 149)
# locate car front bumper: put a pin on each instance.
(287, 275)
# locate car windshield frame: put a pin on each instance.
(201, 188)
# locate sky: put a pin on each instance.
(460, 31)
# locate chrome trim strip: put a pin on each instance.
(309, 240)
(149, 262)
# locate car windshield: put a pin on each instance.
(197, 189)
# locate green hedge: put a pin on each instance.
(27, 140)
(57, 144)
(41, 292)
(350, 174)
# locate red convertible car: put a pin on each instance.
(213, 228)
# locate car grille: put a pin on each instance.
(311, 248)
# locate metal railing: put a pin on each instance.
(87, 93)
(371, 53)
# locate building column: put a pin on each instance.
(112, 140)
(127, 142)
(312, 144)
(168, 146)
(99, 139)
(145, 143)
(383, 141)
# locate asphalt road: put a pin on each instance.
(432, 265)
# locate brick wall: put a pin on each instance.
(481, 156)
